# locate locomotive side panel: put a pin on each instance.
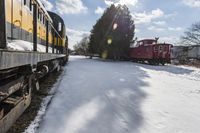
(27, 21)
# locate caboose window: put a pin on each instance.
(147, 49)
(165, 48)
(160, 48)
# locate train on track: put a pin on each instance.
(186, 54)
(33, 43)
(151, 51)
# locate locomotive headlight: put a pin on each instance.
(104, 54)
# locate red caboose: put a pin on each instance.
(151, 51)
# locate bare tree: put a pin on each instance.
(81, 47)
(192, 35)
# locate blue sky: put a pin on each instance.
(167, 19)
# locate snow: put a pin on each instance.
(21, 45)
(97, 96)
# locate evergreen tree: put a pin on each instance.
(112, 34)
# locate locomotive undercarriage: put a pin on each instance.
(18, 81)
(15, 95)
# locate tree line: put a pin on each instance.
(113, 33)
(192, 35)
(111, 36)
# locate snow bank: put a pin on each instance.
(123, 97)
(21, 45)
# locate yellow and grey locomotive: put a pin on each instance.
(26, 22)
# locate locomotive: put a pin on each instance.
(27, 23)
(151, 51)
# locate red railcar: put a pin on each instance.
(151, 51)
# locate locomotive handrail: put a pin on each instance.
(43, 9)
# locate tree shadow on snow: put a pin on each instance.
(98, 97)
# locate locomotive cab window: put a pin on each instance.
(41, 16)
(154, 43)
(59, 26)
(27, 3)
(43, 20)
(38, 14)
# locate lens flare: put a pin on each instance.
(115, 26)
(109, 41)
(104, 54)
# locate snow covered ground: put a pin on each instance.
(97, 96)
